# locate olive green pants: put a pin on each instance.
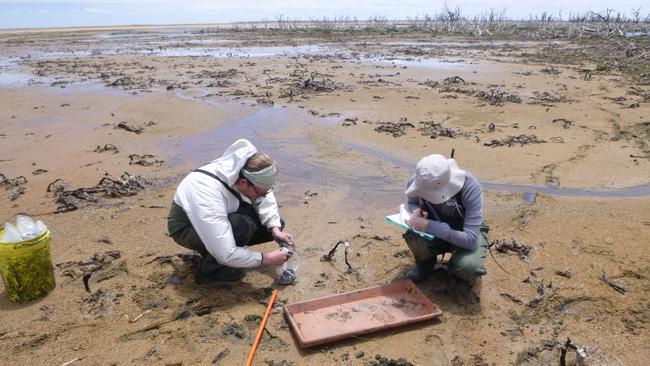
(465, 264)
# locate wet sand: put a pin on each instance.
(347, 120)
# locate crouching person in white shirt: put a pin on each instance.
(222, 208)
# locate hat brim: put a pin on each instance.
(456, 182)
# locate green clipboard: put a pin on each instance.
(399, 219)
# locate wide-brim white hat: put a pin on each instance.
(437, 179)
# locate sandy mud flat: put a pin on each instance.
(99, 126)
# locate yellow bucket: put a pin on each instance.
(26, 268)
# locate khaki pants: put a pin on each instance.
(464, 264)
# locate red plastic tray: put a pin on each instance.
(336, 317)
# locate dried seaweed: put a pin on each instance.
(144, 160)
(69, 200)
(550, 70)
(493, 97)
(186, 310)
(639, 133)
(546, 97)
(541, 294)
(435, 130)
(10, 183)
(566, 273)
(515, 139)
(107, 147)
(581, 353)
(100, 303)
(313, 84)
(396, 129)
(216, 75)
(221, 356)
(13, 184)
(502, 246)
(385, 361)
(447, 81)
(94, 263)
(125, 126)
(616, 286)
(16, 192)
(565, 122)
(454, 80)
(328, 257)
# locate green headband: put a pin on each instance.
(264, 178)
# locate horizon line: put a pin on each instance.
(424, 18)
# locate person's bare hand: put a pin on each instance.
(276, 257)
(281, 237)
(418, 220)
(418, 213)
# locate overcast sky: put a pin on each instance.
(64, 13)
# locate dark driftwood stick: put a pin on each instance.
(328, 257)
(346, 258)
(221, 355)
(86, 278)
(616, 286)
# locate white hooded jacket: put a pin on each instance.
(207, 204)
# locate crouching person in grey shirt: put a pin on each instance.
(446, 202)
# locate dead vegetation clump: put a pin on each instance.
(550, 70)
(144, 160)
(435, 130)
(412, 51)
(314, 84)
(385, 361)
(100, 303)
(615, 285)
(565, 122)
(515, 139)
(14, 185)
(131, 83)
(107, 147)
(217, 79)
(98, 265)
(127, 127)
(69, 200)
(639, 133)
(224, 74)
(546, 97)
(447, 81)
(493, 97)
(502, 246)
(396, 129)
(610, 53)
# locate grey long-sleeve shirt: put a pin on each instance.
(472, 201)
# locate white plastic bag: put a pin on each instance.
(11, 235)
(25, 229)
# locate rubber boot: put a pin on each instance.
(211, 271)
(421, 271)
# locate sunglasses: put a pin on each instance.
(260, 191)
